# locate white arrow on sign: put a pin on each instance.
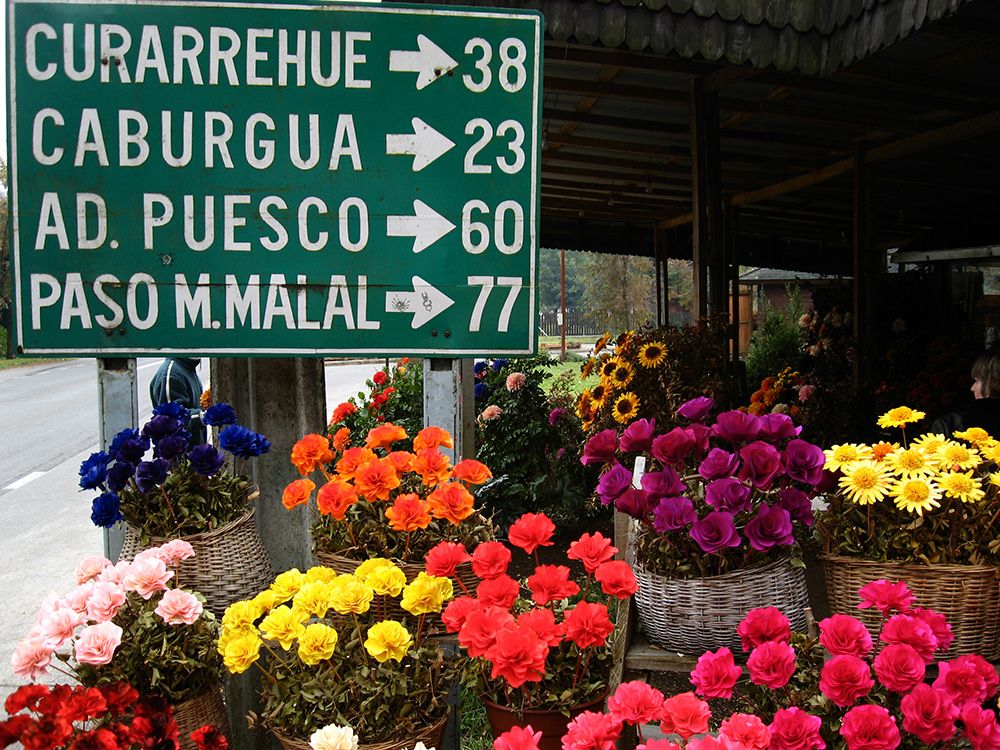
(424, 302)
(424, 144)
(428, 61)
(426, 226)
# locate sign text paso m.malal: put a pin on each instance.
(263, 178)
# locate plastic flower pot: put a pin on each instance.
(551, 723)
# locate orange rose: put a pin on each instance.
(352, 459)
(375, 480)
(471, 471)
(401, 461)
(311, 452)
(334, 498)
(432, 466)
(385, 435)
(343, 411)
(408, 513)
(341, 438)
(432, 437)
(297, 493)
(451, 502)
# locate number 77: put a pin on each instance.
(486, 284)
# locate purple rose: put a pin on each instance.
(701, 435)
(638, 436)
(673, 447)
(119, 474)
(797, 503)
(172, 446)
(715, 531)
(775, 427)
(161, 426)
(771, 527)
(634, 503)
(600, 448)
(663, 483)
(761, 464)
(736, 426)
(673, 514)
(718, 464)
(728, 494)
(205, 459)
(613, 483)
(696, 409)
(804, 462)
(150, 474)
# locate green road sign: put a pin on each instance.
(254, 178)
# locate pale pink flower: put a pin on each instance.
(105, 601)
(50, 604)
(31, 658)
(176, 550)
(490, 412)
(115, 573)
(178, 607)
(97, 643)
(58, 625)
(77, 598)
(806, 392)
(515, 381)
(147, 575)
(151, 552)
(90, 567)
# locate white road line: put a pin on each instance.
(24, 480)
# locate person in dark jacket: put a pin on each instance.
(984, 411)
(177, 380)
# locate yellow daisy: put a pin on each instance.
(900, 417)
(975, 435)
(964, 487)
(625, 407)
(916, 495)
(840, 455)
(865, 482)
(652, 354)
(622, 375)
(995, 479)
(929, 442)
(957, 456)
(990, 450)
(911, 462)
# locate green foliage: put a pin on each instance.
(620, 290)
(395, 394)
(549, 292)
(777, 342)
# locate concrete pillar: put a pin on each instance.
(118, 409)
(449, 402)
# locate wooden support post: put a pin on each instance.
(733, 268)
(862, 252)
(708, 248)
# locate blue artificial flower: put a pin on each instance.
(243, 442)
(119, 440)
(119, 474)
(150, 474)
(479, 367)
(161, 426)
(482, 390)
(499, 364)
(220, 414)
(106, 510)
(132, 449)
(205, 459)
(173, 446)
(94, 470)
(173, 409)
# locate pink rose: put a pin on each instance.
(886, 596)
(899, 667)
(771, 664)
(744, 732)
(175, 550)
(97, 643)
(58, 625)
(715, 674)
(636, 702)
(147, 576)
(77, 598)
(592, 731)
(31, 658)
(981, 728)
(115, 573)
(968, 680)
(843, 634)
(929, 714)
(178, 607)
(104, 601)
(938, 624)
(912, 631)
(90, 567)
(762, 625)
(869, 727)
(684, 714)
(844, 679)
(794, 729)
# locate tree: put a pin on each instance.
(620, 289)
(548, 279)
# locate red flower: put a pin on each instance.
(794, 729)
(938, 624)
(869, 727)
(209, 737)
(899, 667)
(543, 623)
(592, 731)
(518, 738)
(444, 558)
(843, 634)
(490, 560)
(26, 696)
(12, 729)
(886, 596)
(744, 732)
(715, 674)
(518, 655)
(550, 583)
(913, 631)
(617, 579)
(968, 680)
(929, 714)
(531, 531)
(771, 664)
(98, 739)
(844, 679)
(379, 377)
(591, 550)
(46, 733)
(685, 715)
(588, 624)
(636, 703)
(83, 704)
(457, 612)
(479, 631)
(120, 697)
(498, 592)
(981, 728)
(763, 625)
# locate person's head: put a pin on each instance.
(986, 375)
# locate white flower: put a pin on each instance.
(420, 746)
(333, 737)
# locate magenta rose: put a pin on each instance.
(844, 679)
(968, 680)
(899, 667)
(600, 448)
(869, 727)
(761, 464)
(702, 433)
(715, 674)
(911, 630)
(762, 625)
(771, 527)
(613, 483)
(771, 664)
(636, 503)
(794, 729)
(777, 427)
(981, 728)
(929, 714)
(886, 596)
(804, 462)
(696, 409)
(718, 464)
(797, 503)
(638, 436)
(663, 483)
(843, 634)
(938, 624)
(673, 447)
(715, 531)
(736, 427)
(674, 514)
(729, 494)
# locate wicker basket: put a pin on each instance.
(192, 714)
(694, 615)
(968, 595)
(229, 563)
(431, 737)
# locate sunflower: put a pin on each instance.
(652, 354)
(900, 417)
(622, 375)
(606, 368)
(865, 482)
(583, 404)
(911, 462)
(975, 435)
(916, 495)
(587, 368)
(957, 456)
(839, 456)
(597, 395)
(929, 442)
(602, 342)
(625, 407)
(961, 486)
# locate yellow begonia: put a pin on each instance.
(351, 596)
(287, 584)
(370, 565)
(267, 600)
(386, 581)
(314, 598)
(321, 573)
(240, 615)
(282, 624)
(388, 640)
(426, 594)
(241, 651)
(317, 643)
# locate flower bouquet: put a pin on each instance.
(720, 509)
(126, 623)
(927, 509)
(395, 394)
(329, 653)
(539, 654)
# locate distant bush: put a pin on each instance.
(777, 341)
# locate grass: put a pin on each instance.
(571, 365)
(474, 727)
(6, 364)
